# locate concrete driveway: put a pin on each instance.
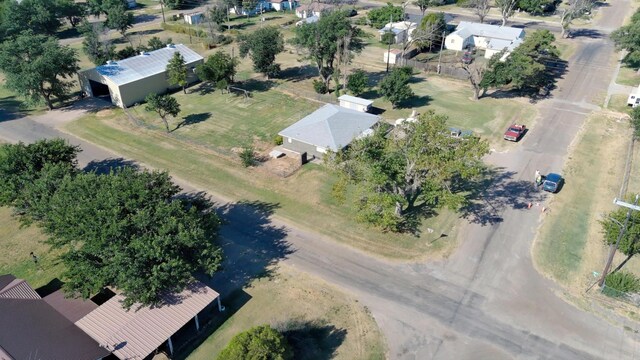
(484, 302)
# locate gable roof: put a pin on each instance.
(13, 288)
(70, 308)
(31, 329)
(466, 29)
(138, 332)
(142, 66)
(356, 100)
(331, 126)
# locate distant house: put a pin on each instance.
(355, 103)
(313, 9)
(193, 18)
(402, 31)
(31, 328)
(308, 20)
(281, 5)
(331, 127)
(261, 6)
(129, 81)
(634, 98)
(491, 38)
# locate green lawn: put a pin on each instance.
(628, 76)
(569, 246)
(224, 121)
(17, 243)
(341, 328)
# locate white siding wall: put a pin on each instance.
(454, 42)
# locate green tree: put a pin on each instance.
(118, 18)
(129, 230)
(330, 41)
(388, 38)
(72, 11)
(21, 164)
(98, 51)
(507, 8)
(395, 86)
(628, 37)
(163, 105)
(526, 67)
(37, 16)
(257, 343)
(249, 6)
(574, 10)
(219, 66)
(423, 5)
(155, 43)
(177, 71)
(400, 176)
(430, 31)
(174, 4)
(536, 7)
(357, 82)
(629, 244)
(378, 17)
(37, 67)
(262, 46)
(218, 15)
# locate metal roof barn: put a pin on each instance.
(127, 82)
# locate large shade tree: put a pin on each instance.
(262, 46)
(329, 41)
(219, 67)
(630, 241)
(628, 37)
(38, 68)
(400, 176)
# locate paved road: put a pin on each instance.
(486, 301)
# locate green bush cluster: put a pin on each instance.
(620, 283)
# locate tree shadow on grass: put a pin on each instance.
(313, 340)
(493, 193)
(254, 85)
(298, 73)
(192, 119)
(108, 165)
(251, 246)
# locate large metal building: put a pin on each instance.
(129, 81)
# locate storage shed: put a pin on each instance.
(129, 81)
(355, 103)
(193, 18)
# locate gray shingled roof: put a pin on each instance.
(356, 100)
(331, 127)
(142, 66)
(466, 29)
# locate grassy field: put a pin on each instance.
(628, 76)
(342, 327)
(569, 245)
(17, 243)
(304, 198)
(618, 102)
(225, 121)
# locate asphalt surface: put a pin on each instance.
(484, 302)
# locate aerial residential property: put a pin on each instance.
(297, 179)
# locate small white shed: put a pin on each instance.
(634, 98)
(393, 56)
(355, 103)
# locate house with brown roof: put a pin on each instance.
(30, 328)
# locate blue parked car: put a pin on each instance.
(552, 182)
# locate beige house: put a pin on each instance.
(491, 38)
(127, 82)
(402, 31)
(313, 9)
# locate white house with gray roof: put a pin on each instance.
(491, 38)
(331, 127)
(129, 81)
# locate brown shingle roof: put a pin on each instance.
(31, 329)
(138, 332)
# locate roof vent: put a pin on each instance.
(143, 53)
(111, 62)
(171, 46)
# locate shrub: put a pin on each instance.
(247, 156)
(278, 140)
(320, 87)
(260, 342)
(621, 282)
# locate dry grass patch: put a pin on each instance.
(346, 329)
(569, 246)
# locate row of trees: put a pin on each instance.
(128, 229)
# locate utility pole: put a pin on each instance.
(440, 54)
(613, 248)
(389, 47)
(162, 8)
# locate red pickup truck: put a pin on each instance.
(515, 132)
